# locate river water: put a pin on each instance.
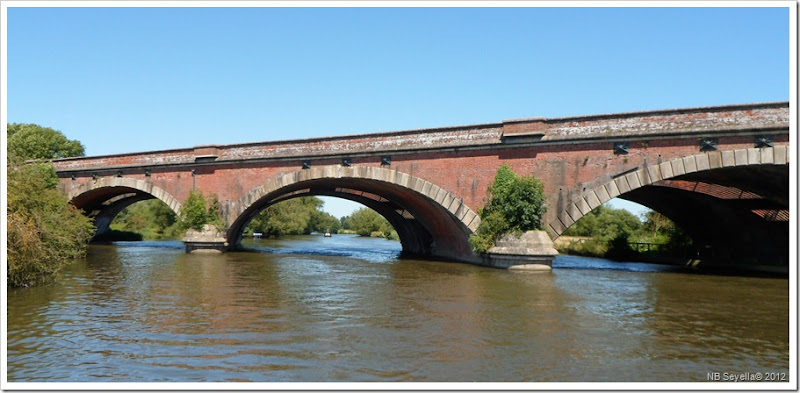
(310, 309)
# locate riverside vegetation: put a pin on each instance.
(613, 233)
(304, 215)
(44, 232)
(514, 204)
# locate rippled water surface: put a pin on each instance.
(347, 309)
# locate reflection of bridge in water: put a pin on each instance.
(721, 173)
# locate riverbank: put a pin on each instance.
(588, 247)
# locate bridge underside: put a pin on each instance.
(425, 228)
(737, 217)
(104, 204)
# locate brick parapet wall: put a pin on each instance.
(511, 134)
(709, 120)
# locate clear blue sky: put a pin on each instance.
(135, 79)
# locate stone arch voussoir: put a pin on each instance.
(140, 185)
(438, 195)
(591, 199)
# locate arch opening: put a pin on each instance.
(148, 219)
(736, 216)
(103, 199)
(426, 226)
(362, 233)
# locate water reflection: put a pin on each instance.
(149, 312)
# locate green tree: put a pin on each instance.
(34, 142)
(366, 221)
(514, 204)
(163, 216)
(323, 221)
(304, 215)
(44, 231)
(611, 231)
(605, 223)
(671, 237)
(152, 219)
(656, 223)
(197, 212)
(297, 216)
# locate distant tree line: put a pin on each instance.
(154, 220)
(304, 215)
(297, 216)
(366, 222)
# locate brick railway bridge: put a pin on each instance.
(721, 173)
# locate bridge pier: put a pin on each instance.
(533, 250)
(209, 240)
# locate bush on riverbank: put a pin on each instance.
(587, 247)
(44, 231)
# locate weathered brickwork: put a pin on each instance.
(572, 156)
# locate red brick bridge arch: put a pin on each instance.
(735, 203)
(429, 220)
(104, 198)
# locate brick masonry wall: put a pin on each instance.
(568, 155)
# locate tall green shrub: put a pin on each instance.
(514, 204)
(44, 231)
(197, 212)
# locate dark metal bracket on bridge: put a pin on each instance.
(621, 147)
(708, 144)
(763, 141)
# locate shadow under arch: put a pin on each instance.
(429, 220)
(734, 204)
(104, 198)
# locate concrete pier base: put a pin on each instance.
(532, 251)
(209, 240)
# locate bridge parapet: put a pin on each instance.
(328, 147)
(664, 123)
(689, 122)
